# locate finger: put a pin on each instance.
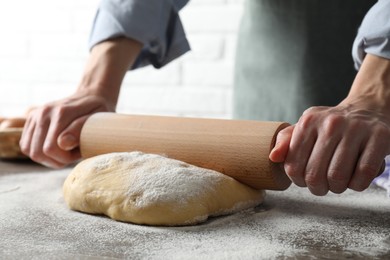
(301, 145)
(67, 142)
(319, 160)
(62, 140)
(52, 150)
(69, 139)
(76, 108)
(72, 116)
(343, 163)
(369, 163)
(37, 140)
(26, 137)
(279, 152)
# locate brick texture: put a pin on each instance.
(44, 46)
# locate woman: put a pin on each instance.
(300, 51)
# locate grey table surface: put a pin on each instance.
(36, 224)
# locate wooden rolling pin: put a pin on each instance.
(236, 148)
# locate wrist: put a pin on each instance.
(91, 85)
(371, 87)
(107, 66)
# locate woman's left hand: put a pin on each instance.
(335, 148)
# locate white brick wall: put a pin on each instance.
(43, 48)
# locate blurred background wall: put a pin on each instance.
(44, 46)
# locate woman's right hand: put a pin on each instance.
(51, 135)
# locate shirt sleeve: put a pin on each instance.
(374, 34)
(154, 23)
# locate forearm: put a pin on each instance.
(372, 85)
(107, 66)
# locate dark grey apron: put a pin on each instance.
(294, 54)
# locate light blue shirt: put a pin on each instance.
(374, 33)
(156, 24)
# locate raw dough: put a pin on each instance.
(154, 190)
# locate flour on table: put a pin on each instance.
(154, 190)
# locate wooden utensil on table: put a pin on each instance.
(236, 148)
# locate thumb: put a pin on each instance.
(279, 152)
(69, 139)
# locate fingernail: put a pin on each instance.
(276, 147)
(271, 152)
(68, 142)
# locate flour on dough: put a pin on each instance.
(154, 190)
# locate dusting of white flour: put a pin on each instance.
(158, 181)
(155, 190)
(36, 224)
